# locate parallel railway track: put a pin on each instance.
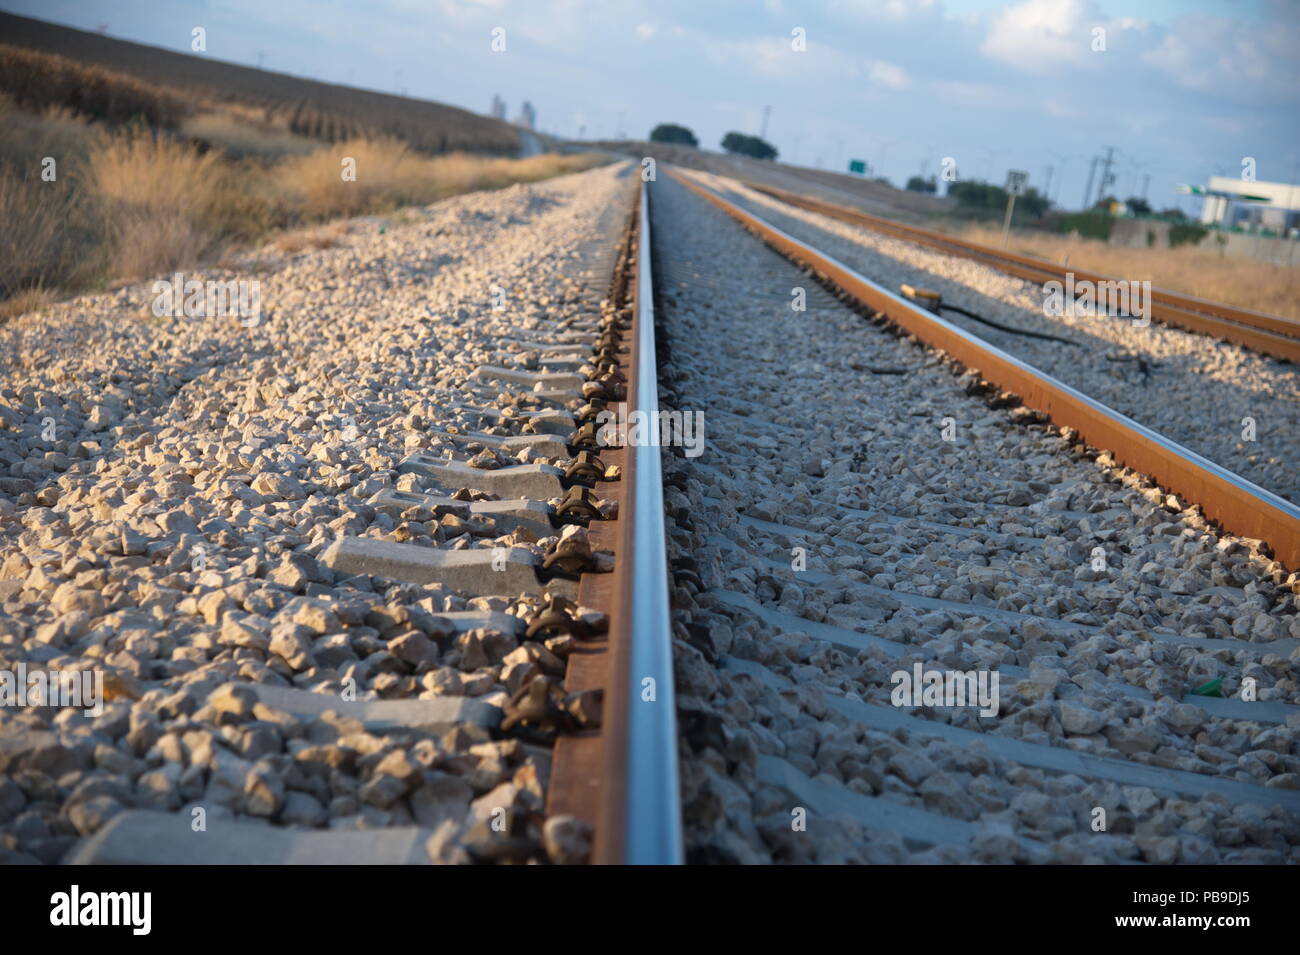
(1241, 506)
(949, 559)
(1268, 334)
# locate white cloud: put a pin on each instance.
(882, 9)
(1239, 60)
(773, 56)
(887, 74)
(1039, 35)
(1174, 56)
(646, 30)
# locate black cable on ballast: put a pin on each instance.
(1006, 328)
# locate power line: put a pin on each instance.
(1106, 177)
(1087, 190)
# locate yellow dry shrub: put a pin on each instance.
(390, 175)
(1235, 280)
(159, 199)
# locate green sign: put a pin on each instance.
(859, 166)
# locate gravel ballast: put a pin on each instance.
(170, 489)
(1192, 388)
(830, 537)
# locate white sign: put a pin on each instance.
(1016, 180)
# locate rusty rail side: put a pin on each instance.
(640, 812)
(622, 778)
(578, 780)
(1269, 334)
(1238, 505)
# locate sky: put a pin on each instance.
(1182, 89)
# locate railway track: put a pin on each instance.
(521, 596)
(640, 657)
(833, 540)
(1241, 506)
(1268, 334)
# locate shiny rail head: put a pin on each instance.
(645, 804)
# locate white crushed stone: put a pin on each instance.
(168, 531)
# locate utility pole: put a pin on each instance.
(1106, 177)
(1006, 223)
(767, 111)
(1146, 183)
(1087, 192)
(1061, 161)
(1295, 236)
(1047, 187)
(1016, 180)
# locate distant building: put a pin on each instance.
(527, 117)
(498, 107)
(1231, 202)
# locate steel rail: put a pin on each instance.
(1236, 504)
(1270, 334)
(641, 821)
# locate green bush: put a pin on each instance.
(743, 145)
(672, 133)
(1090, 225)
(987, 199)
(1186, 233)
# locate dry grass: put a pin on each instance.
(48, 232)
(390, 175)
(242, 137)
(27, 138)
(27, 301)
(159, 199)
(128, 204)
(292, 242)
(1244, 282)
(38, 81)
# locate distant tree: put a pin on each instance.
(978, 196)
(1104, 202)
(1138, 206)
(920, 184)
(986, 198)
(1187, 233)
(743, 145)
(1173, 212)
(884, 181)
(1032, 203)
(672, 133)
